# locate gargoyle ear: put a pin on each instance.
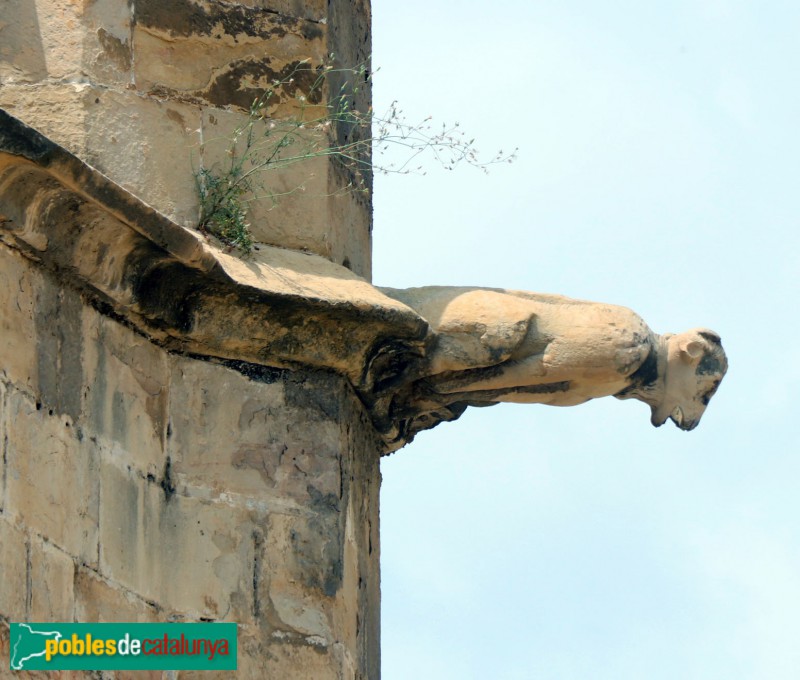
(692, 348)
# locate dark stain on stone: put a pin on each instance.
(711, 337)
(167, 484)
(317, 544)
(261, 459)
(119, 419)
(318, 395)
(60, 343)
(167, 292)
(255, 372)
(182, 18)
(645, 376)
(102, 251)
(710, 365)
(243, 81)
(176, 117)
(258, 548)
(116, 50)
(390, 362)
(5, 469)
(97, 408)
(320, 502)
(47, 337)
(19, 139)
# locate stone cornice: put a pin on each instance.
(276, 308)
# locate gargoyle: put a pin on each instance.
(492, 345)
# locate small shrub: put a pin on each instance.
(335, 128)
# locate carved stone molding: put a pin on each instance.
(278, 307)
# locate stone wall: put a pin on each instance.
(140, 485)
(148, 91)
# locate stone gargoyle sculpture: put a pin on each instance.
(491, 345)
(414, 357)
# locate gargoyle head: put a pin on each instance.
(695, 366)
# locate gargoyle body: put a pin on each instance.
(492, 345)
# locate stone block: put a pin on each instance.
(276, 656)
(233, 434)
(57, 110)
(3, 443)
(221, 54)
(65, 40)
(350, 228)
(302, 552)
(190, 556)
(61, 323)
(13, 567)
(18, 287)
(313, 10)
(282, 659)
(22, 52)
(142, 675)
(303, 205)
(147, 146)
(102, 601)
(51, 580)
(125, 398)
(52, 474)
(108, 42)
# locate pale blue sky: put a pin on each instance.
(658, 170)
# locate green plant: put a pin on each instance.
(297, 119)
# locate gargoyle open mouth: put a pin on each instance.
(679, 419)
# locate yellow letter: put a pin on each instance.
(50, 649)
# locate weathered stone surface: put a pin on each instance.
(352, 215)
(147, 146)
(192, 296)
(222, 55)
(126, 395)
(122, 85)
(100, 600)
(51, 580)
(52, 473)
(144, 675)
(107, 42)
(313, 10)
(192, 488)
(21, 51)
(3, 444)
(13, 567)
(56, 109)
(18, 356)
(186, 554)
(295, 211)
(65, 40)
(253, 436)
(60, 321)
